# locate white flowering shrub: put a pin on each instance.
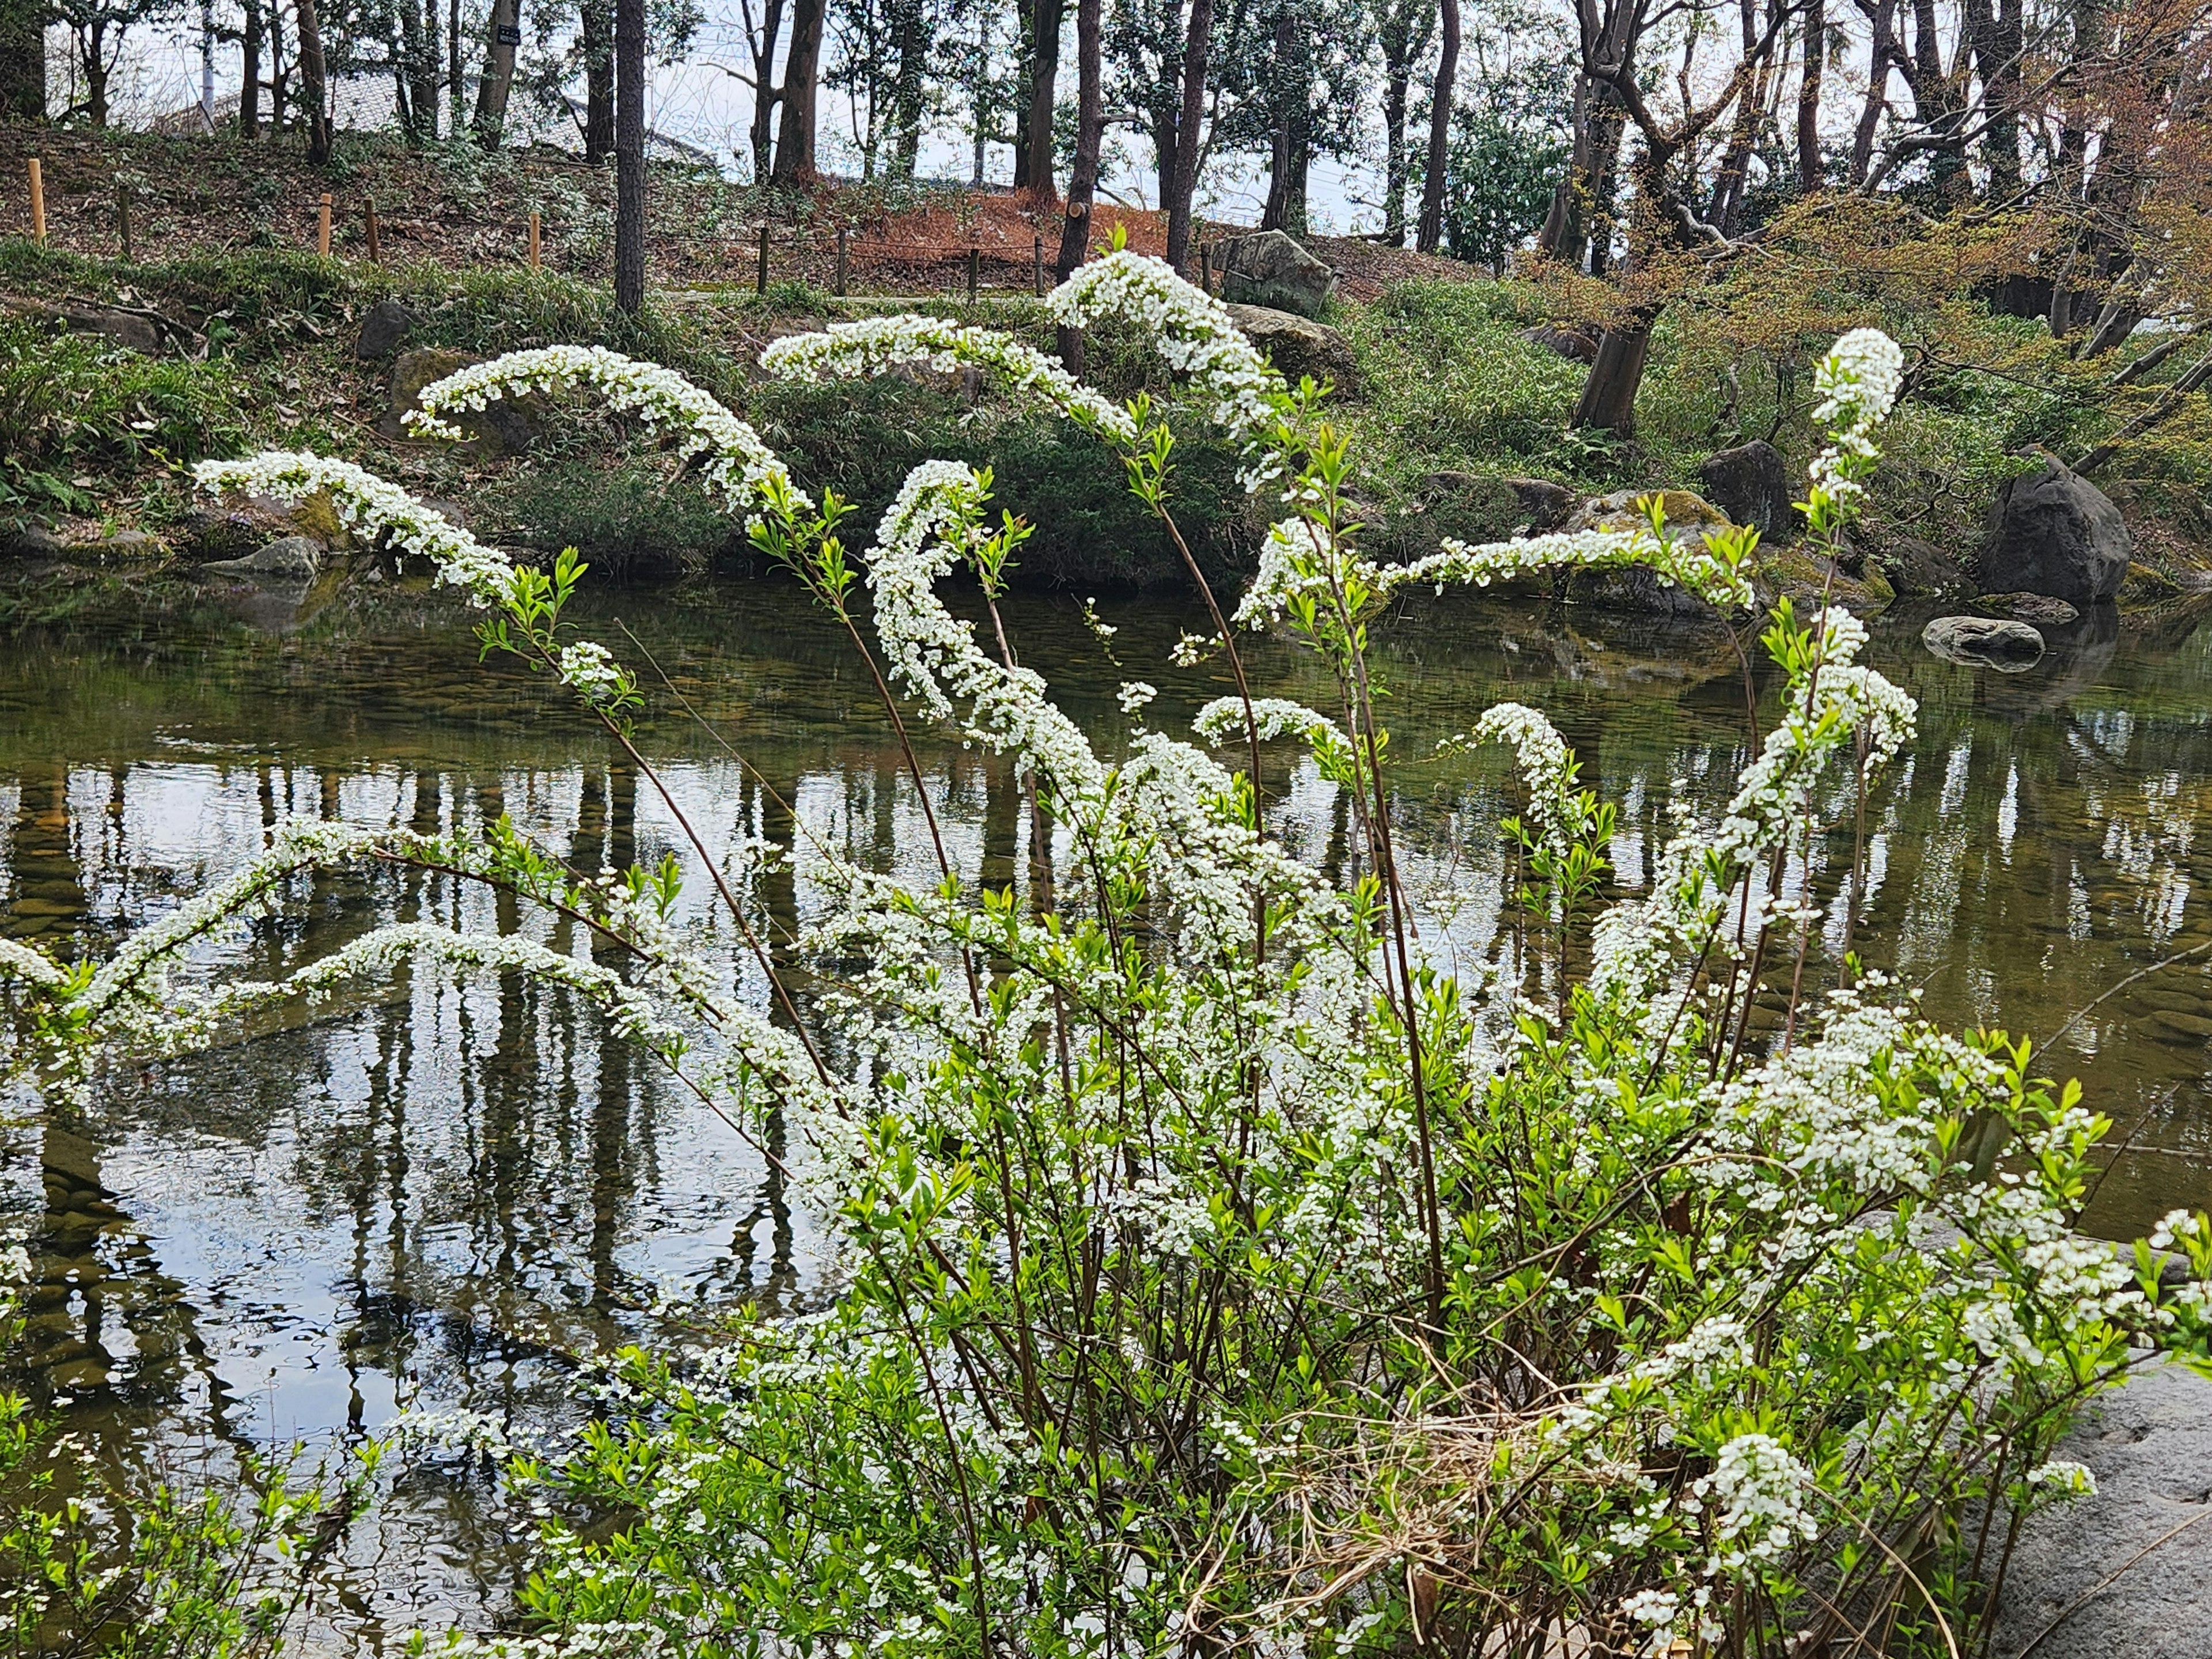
(1214, 1267)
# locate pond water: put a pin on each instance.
(438, 1194)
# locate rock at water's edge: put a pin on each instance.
(1984, 643)
(2148, 1442)
(1752, 486)
(288, 558)
(2053, 532)
(1298, 346)
(1270, 269)
(2030, 608)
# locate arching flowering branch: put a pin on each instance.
(733, 462)
(372, 507)
(875, 345)
(936, 523)
(1191, 331)
(1829, 700)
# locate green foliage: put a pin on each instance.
(69, 400)
(627, 518)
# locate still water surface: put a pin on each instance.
(436, 1195)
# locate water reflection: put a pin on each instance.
(438, 1194)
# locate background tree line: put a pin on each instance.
(1657, 145)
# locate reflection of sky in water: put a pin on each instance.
(431, 1194)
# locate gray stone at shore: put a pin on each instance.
(2053, 532)
(288, 558)
(1984, 643)
(2080, 1585)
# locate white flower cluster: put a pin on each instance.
(1546, 764)
(733, 462)
(589, 669)
(1192, 332)
(1757, 1490)
(876, 345)
(1856, 383)
(372, 507)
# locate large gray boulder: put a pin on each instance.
(1984, 643)
(1752, 486)
(1298, 346)
(2053, 532)
(1270, 269)
(2123, 1573)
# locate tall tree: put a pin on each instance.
(596, 34)
(1083, 175)
(1033, 159)
(913, 35)
(314, 89)
(630, 155)
(1430, 231)
(1881, 19)
(1197, 40)
(763, 35)
(1812, 171)
(794, 143)
(1403, 30)
(504, 35)
(249, 70)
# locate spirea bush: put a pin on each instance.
(1215, 1267)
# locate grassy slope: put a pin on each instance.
(1451, 382)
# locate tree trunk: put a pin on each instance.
(1083, 176)
(1273, 216)
(1397, 84)
(456, 83)
(907, 91)
(22, 61)
(1877, 94)
(314, 91)
(766, 93)
(794, 141)
(630, 155)
(249, 71)
(1735, 159)
(1430, 235)
(1608, 399)
(92, 53)
(1811, 173)
(1044, 87)
(1089, 138)
(1197, 38)
(505, 27)
(597, 28)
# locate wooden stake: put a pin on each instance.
(122, 218)
(323, 226)
(1036, 263)
(841, 261)
(974, 269)
(375, 247)
(537, 227)
(38, 201)
(760, 279)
